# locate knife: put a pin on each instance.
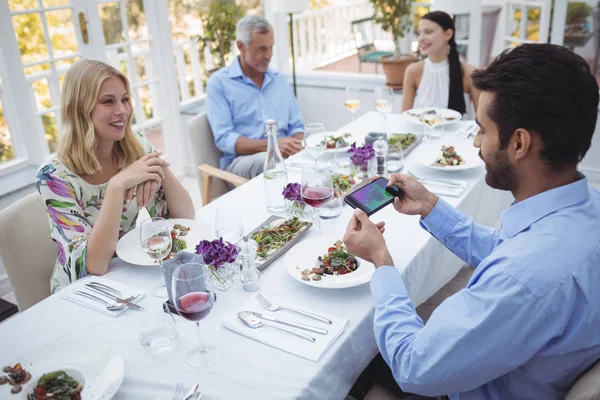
(127, 302)
(290, 323)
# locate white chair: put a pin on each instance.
(27, 251)
(206, 156)
(587, 386)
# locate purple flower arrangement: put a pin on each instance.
(218, 252)
(293, 192)
(361, 155)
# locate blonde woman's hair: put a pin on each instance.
(77, 139)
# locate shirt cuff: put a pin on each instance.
(229, 143)
(386, 281)
(441, 220)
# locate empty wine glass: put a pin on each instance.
(193, 295)
(384, 101)
(315, 141)
(155, 238)
(352, 102)
(228, 224)
(317, 188)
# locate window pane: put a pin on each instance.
(514, 20)
(6, 149)
(41, 93)
(136, 19)
(110, 14)
(18, 5)
(50, 130)
(533, 23)
(52, 3)
(30, 37)
(62, 32)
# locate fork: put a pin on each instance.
(274, 307)
(178, 395)
(470, 131)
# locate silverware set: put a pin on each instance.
(257, 320)
(105, 291)
(470, 131)
(437, 181)
(192, 394)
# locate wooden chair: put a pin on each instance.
(363, 31)
(207, 156)
(27, 250)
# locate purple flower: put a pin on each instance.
(361, 155)
(292, 191)
(218, 252)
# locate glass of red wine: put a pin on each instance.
(317, 188)
(193, 295)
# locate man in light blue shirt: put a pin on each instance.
(243, 95)
(527, 325)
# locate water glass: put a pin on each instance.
(228, 224)
(395, 159)
(159, 332)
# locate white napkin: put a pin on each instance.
(447, 190)
(67, 294)
(286, 341)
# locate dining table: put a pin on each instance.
(248, 369)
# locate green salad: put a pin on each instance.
(57, 386)
(401, 140)
(270, 239)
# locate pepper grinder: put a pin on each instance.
(250, 274)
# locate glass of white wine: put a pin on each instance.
(315, 140)
(384, 101)
(352, 102)
(155, 238)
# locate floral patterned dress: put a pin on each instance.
(72, 206)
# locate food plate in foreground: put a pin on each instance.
(305, 256)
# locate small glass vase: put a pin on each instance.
(298, 209)
(224, 277)
(361, 171)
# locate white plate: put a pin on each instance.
(129, 248)
(449, 116)
(304, 256)
(99, 366)
(350, 140)
(427, 153)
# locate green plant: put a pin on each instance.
(394, 17)
(219, 28)
(577, 12)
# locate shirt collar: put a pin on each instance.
(235, 71)
(522, 215)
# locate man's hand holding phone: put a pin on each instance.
(417, 200)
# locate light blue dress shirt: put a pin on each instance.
(235, 107)
(528, 323)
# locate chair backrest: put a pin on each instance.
(205, 151)
(27, 250)
(587, 386)
(363, 31)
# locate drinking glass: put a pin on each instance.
(395, 159)
(431, 120)
(317, 188)
(315, 141)
(384, 101)
(193, 295)
(155, 238)
(352, 102)
(228, 224)
(159, 332)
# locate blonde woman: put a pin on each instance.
(101, 166)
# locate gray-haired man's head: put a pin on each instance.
(255, 42)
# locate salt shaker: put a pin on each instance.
(250, 274)
(380, 147)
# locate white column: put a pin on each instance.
(558, 22)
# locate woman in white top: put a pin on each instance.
(441, 79)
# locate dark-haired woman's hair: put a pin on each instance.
(456, 99)
(546, 89)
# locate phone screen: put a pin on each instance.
(373, 196)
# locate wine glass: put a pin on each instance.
(352, 102)
(155, 238)
(384, 101)
(193, 295)
(228, 224)
(317, 188)
(315, 141)
(431, 118)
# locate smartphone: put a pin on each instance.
(374, 196)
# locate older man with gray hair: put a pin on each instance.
(243, 95)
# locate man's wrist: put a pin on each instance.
(429, 205)
(383, 259)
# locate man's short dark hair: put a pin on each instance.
(547, 89)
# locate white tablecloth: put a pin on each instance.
(248, 369)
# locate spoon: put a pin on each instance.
(256, 323)
(109, 307)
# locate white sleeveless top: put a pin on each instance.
(434, 89)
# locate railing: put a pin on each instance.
(325, 36)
